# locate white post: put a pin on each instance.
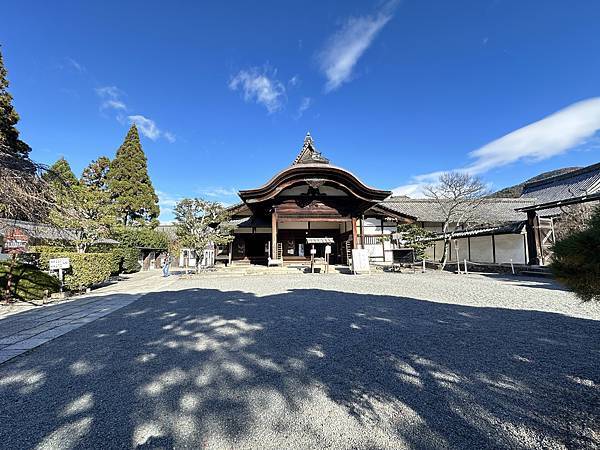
(60, 277)
(423, 269)
(466, 270)
(512, 267)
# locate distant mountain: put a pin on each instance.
(516, 190)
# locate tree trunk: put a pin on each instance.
(9, 279)
(444, 259)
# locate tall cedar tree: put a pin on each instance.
(129, 185)
(10, 143)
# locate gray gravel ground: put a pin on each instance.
(318, 361)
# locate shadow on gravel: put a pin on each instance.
(191, 366)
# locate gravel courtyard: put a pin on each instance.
(318, 361)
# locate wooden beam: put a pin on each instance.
(354, 234)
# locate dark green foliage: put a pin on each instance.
(413, 236)
(60, 175)
(576, 260)
(87, 269)
(141, 237)
(128, 259)
(28, 282)
(10, 143)
(95, 174)
(130, 187)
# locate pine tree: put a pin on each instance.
(60, 176)
(10, 143)
(94, 175)
(129, 185)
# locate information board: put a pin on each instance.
(59, 263)
(360, 261)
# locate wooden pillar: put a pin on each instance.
(362, 232)
(531, 239)
(274, 235)
(354, 234)
(493, 249)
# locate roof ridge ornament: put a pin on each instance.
(309, 153)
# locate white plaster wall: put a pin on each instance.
(510, 246)
(375, 250)
(481, 249)
(292, 225)
(463, 249)
(429, 252)
(324, 225)
(263, 230)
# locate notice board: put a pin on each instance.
(360, 261)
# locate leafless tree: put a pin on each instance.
(23, 192)
(459, 196)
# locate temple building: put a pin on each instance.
(310, 203)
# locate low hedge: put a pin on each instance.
(28, 282)
(87, 269)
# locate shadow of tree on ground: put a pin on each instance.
(308, 368)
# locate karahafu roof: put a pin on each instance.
(494, 210)
(319, 240)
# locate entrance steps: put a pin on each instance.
(237, 270)
(537, 271)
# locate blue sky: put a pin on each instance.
(224, 92)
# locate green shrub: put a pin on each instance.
(576, 260)
(87, 269)
(141, 237)
(28, 282)
(127, 259)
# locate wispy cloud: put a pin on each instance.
(75, 65)
(167, 202)
(146, 126)
(260, 87)
(343, 50)
(218, 192)
(553, 135)
(112, 99)
(304, 105)
(169, 136)
(294, 81)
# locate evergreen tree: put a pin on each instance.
(9, 136)
(576, 260)
(129, 185)
(94, 175)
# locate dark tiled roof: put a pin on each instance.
(511, 228)
(584, 181)
(493, 211)
(37, 230)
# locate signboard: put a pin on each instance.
(360, 261)
(59, 263)
(15, 241)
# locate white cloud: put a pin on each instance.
(167, 202)
(553, 135)
(111, 98)
(294, 81)
(74, 64)
(343, 50)
(216, 192)
(169, 136)
(146, 126)
(304, 105)
(258, 86)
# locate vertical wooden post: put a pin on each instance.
(274, 235)
(493, 249)
(362, 232)
(531, 239)
(354, 234)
